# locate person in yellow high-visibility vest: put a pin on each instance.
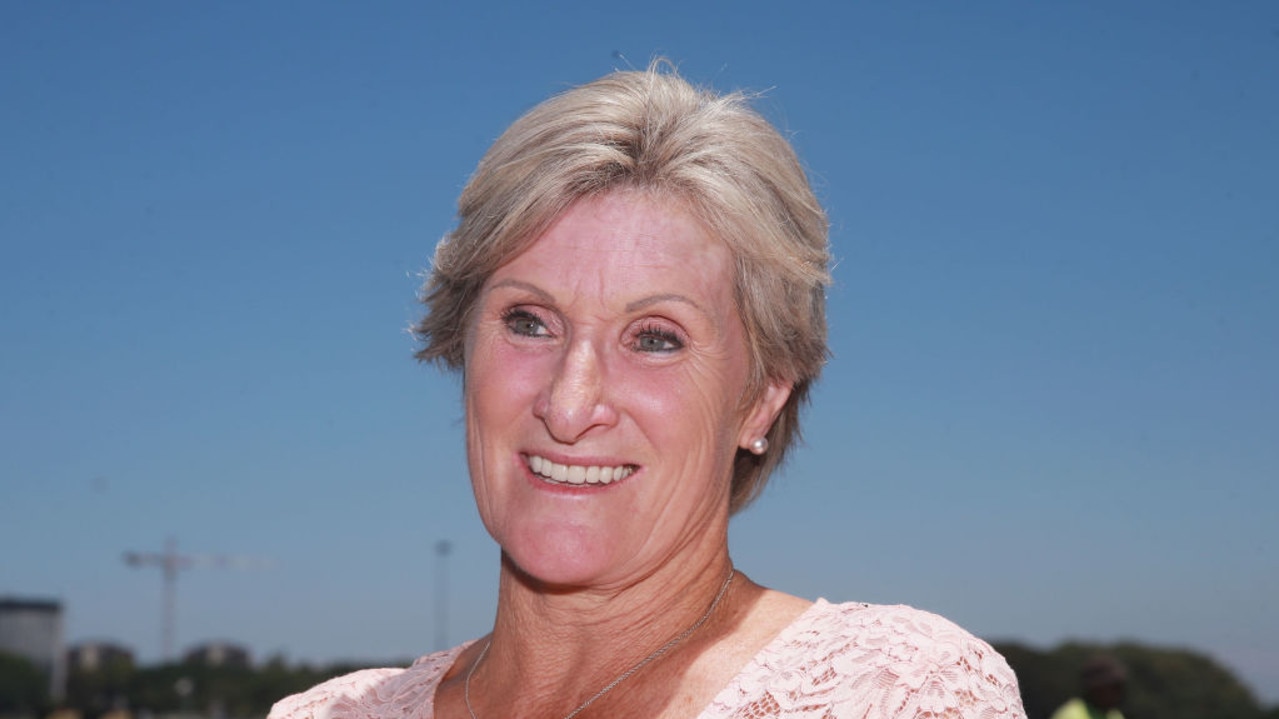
(1102, 680)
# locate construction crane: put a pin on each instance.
(170, 563)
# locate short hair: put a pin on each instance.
(1102, 670)
(652, 131)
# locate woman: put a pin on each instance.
(634, 295)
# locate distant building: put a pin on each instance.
(95, 656)
(218, 654)
(32, 629)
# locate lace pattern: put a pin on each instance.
(836, 661)
(858, 661)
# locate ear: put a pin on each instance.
(761, 416)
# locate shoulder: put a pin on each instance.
(898, 632)
(1073, 709)
(394, 691)
(917, 662)
(935, 665)
(894, 661)
(1077, 709)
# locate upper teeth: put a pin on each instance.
(577, 473)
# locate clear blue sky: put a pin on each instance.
(1053, 409)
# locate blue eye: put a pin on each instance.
(524, 323)
(656, 339)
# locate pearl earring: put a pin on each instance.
(759, 446)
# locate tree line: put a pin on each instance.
(120, 688)
(1163, 683)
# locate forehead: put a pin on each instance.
(627, 237)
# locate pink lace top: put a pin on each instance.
(836, 661)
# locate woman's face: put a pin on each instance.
(606, 367)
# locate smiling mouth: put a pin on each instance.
(578, 474)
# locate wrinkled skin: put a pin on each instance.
(613, 340)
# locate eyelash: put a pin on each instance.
(671, 340)
(516, 314)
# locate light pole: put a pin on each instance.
(442, 549)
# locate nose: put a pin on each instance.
(575, 400)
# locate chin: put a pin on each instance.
(563, 556)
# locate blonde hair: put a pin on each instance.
(652, 131)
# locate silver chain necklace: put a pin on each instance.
(466, 687)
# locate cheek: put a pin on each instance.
(499, 391)
(692, 407)
(499, 378)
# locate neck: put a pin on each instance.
(553, 647)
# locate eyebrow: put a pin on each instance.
(667, 297)
(542, 294)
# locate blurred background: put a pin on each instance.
(1052, 412)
